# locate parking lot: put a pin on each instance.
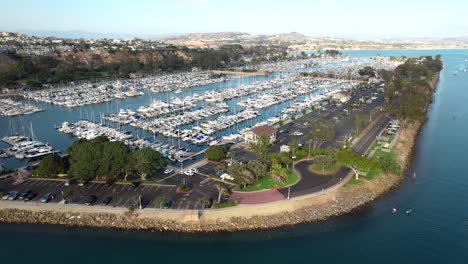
(125, 195)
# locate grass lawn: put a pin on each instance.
(326, 171)
(353, 181)
(226, 204)
(266, 183)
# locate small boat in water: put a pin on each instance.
(409, 211)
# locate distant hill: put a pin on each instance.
(77, 34)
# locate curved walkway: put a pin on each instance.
(312, 182)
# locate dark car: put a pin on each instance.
(30, 196)
(47, 197)
(106, 200)
(135, 184)
(23, 195)
(13, 195)
(83, 182)
(70, 182)
(167, 205)
(90, 199)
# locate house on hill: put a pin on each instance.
(253, 134)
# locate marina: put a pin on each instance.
(8, 107)
(180, 114)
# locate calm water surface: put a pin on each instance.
(435, 232)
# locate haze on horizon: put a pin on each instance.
(363, 19)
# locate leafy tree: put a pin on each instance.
(323, 161)
(215, 153)
(357, 163)
(280, 123)
(160, 201)
(148, 160)
(293, 146)
(389, 165)
(51, 165)
(322, 131)
(204, 201)
(259, 168)
(284, 158)
(235, 170)
(260, 147)
(223, 189)
(246, 176)
(367, 71)
(67, 195)
(278, 173)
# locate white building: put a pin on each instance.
(253, 134)
(341, 96)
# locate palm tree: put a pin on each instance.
(160, 201)
(222, 189)
(204, 202)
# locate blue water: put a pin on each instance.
(435, 232)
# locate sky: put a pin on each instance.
(336, 18)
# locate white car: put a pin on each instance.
(167, 171)
(194, 170)
(189, 172)
(297, 133)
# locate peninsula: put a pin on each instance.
(326, 156)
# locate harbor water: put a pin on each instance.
(435, 232)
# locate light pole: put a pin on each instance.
(289, 192)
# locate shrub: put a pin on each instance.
(215, 153)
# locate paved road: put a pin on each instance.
(363, 144)
(344, 123)
(311, 182)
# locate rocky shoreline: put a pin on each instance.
(339, 202)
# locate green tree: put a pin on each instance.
(260, 147)
(259, 168)
(278, 173)
(323, 161)
(204, 202)
(160, 201)
(223, 189)
(357, 163)
(322, 131)
(215, 153)
(293, 146)
(246, 177)
(147, 161)
(51, 165)
(284, 158)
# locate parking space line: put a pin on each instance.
(188, 204)
(181, 202)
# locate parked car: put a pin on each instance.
(297, 133)
(167, 171)
(167, 205)
(135, 184)
(24, 194)
(83, 182)
(46, 198)
(70, 182)
(106, 200)
(5, 197)
(189, 172)
(13, 195)
(90, 199)
(30, 196)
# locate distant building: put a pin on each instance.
(341, 96)
(135, 75)
(196, 69)
(253, 134)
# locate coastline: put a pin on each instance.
(298, 210)
(277, 214)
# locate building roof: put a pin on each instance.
(263, 130)
(345, 93)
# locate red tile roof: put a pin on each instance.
(262, 130)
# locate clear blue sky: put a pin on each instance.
(352, 18)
